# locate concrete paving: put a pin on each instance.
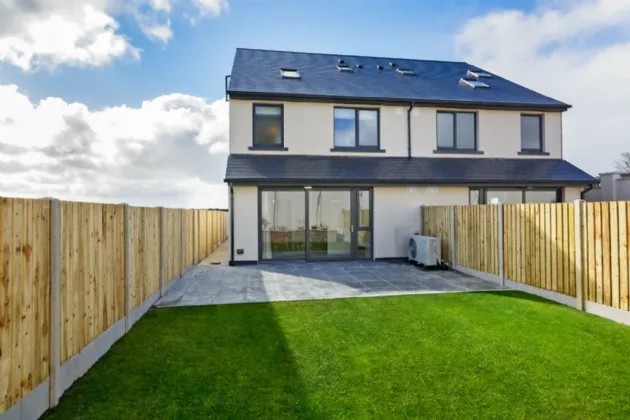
(207, 284)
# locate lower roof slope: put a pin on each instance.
(267, 169)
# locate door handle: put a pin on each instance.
(351, 228)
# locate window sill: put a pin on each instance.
(533, 153)
(271, 148)
(458, 152)
(358, 149)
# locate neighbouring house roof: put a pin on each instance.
(257, 73)
(299, 169)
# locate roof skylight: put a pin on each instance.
(379, 67)
(405, 72)
(359, 66)
(344, 67)
(473, 83)
(478, 73)
(290, 74)
(392, 64)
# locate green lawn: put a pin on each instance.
(474, 355)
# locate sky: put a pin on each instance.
(123, 100)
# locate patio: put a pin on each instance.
(208, 284)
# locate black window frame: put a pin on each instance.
(357, 146)
(483, 192)
(541, 132)
(255, 146)
(455, 149)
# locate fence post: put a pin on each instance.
(55, 291)
(127, 266)
(421, 231)
(501, 246)
(161, 251)
(579, 293)
(453, 238)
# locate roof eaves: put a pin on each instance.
(438, 182)
(237, 94)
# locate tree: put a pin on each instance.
(623, 164)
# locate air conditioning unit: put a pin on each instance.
(425, 250)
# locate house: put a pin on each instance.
(332, 155)
(612, 186)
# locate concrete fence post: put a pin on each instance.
(579, 292)
(55, 292)
(127, 265)
(421, 230)
(501, 246)
(453, 237)
(161, 251)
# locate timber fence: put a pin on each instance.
(75, 277)
(575, 253)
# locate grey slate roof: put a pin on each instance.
(257, 73)
(261, 169)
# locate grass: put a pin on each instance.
(474, 355)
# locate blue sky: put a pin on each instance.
(196, 59)
(121, 100)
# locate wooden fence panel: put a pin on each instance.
(92, 276)
(172, 244)
(24, 297)
(215, 230)
(195, 236)
(144, 232)
(540, 244)
(606, 242)
(436, 221)
(189, 238)
(477, 236)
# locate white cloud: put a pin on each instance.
(39, 33)
(169, 151)
(211, 7)
(577, 52)
(44, 33)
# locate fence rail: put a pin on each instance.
(108, 269)
(580, 250)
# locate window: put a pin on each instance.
(542, 196)
(290, 74)
(268, 126)
(515, 195)
(356, 128)
(504, 196)
(473, 197)
(531, 133)
(456, 130)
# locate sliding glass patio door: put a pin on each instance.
(315, 224)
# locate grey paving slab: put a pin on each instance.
(221, 284)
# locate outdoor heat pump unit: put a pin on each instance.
(425, 250)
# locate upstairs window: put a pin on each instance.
(456, 131)
(531, 133)
(356, 128)
(268, 126)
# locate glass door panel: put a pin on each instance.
(364, 224)
(282, 225)
(330, 224)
